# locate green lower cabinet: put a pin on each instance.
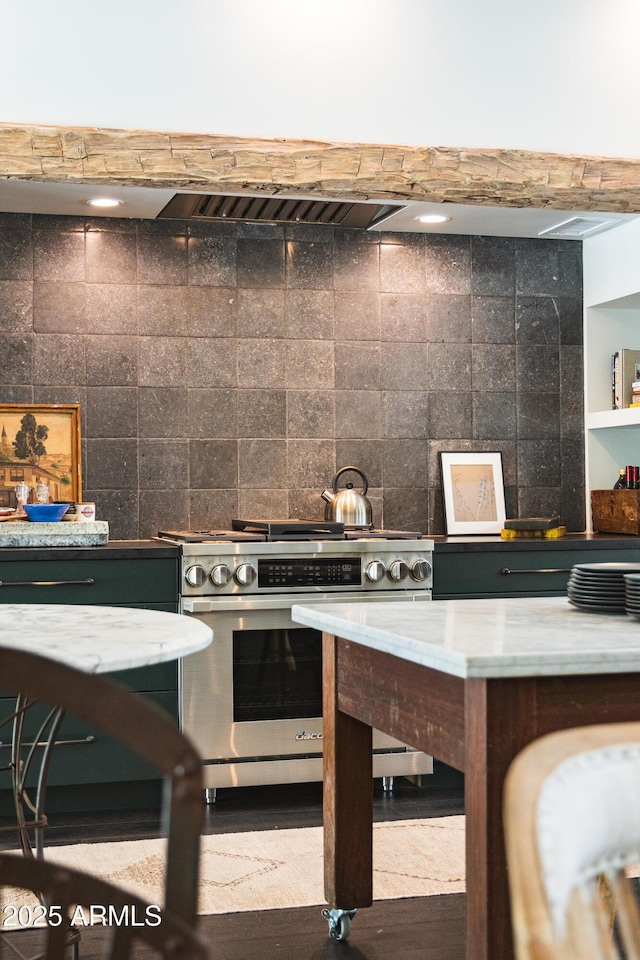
(159, 677)
(82, 753)
(121, 582)
(88, 769)
(515, 572)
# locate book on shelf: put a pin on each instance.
(625, 371)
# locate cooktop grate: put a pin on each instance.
(292, 529)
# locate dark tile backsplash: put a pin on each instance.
(229, 370)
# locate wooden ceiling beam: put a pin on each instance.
(347, 171)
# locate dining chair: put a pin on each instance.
(572, 834)
(144, 728)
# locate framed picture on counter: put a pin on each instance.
(40, 443)
(473, 490)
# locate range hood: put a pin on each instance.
(189, 206)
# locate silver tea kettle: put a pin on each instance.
(348, 506)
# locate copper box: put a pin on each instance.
(616, 511)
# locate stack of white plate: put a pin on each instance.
(600, 587)
(632, 594)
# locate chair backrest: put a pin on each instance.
(112, 923)
(149, 732)
(572, 831)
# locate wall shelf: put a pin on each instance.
(611, 419)
(611, 322)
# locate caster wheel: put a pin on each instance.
(339, 923)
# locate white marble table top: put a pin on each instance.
(514, 637)
(99, 639)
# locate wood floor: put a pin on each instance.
(430, 928)
(414, 929)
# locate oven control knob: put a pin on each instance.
(375, 571)
(420, 570)
(397, 570)
(220, 575)
(195, 575)
(244, 574)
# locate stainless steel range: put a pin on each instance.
(252, 700)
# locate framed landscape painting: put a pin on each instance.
(473, 489)
(40, 443)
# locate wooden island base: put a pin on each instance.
(476, 725)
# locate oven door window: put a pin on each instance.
(277, 674)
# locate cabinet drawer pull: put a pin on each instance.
(506, 570)
(47, 583)
(43, 743)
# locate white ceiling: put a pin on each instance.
(556, 77)
(69, 199)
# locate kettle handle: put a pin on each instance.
(355, 470)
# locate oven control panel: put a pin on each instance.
(317, 572)
(276, 568)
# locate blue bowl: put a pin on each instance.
(45, 512)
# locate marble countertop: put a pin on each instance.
(498, 637)
(100, 639)
(25, 533)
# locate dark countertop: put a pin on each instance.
(127, 549)
(572, 541)
(114, 550)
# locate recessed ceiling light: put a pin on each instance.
(105, 202)
(433, 218)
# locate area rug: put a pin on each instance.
(283, 868)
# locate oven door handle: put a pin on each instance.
(260, 602)
(235, 603)
(198, 605)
